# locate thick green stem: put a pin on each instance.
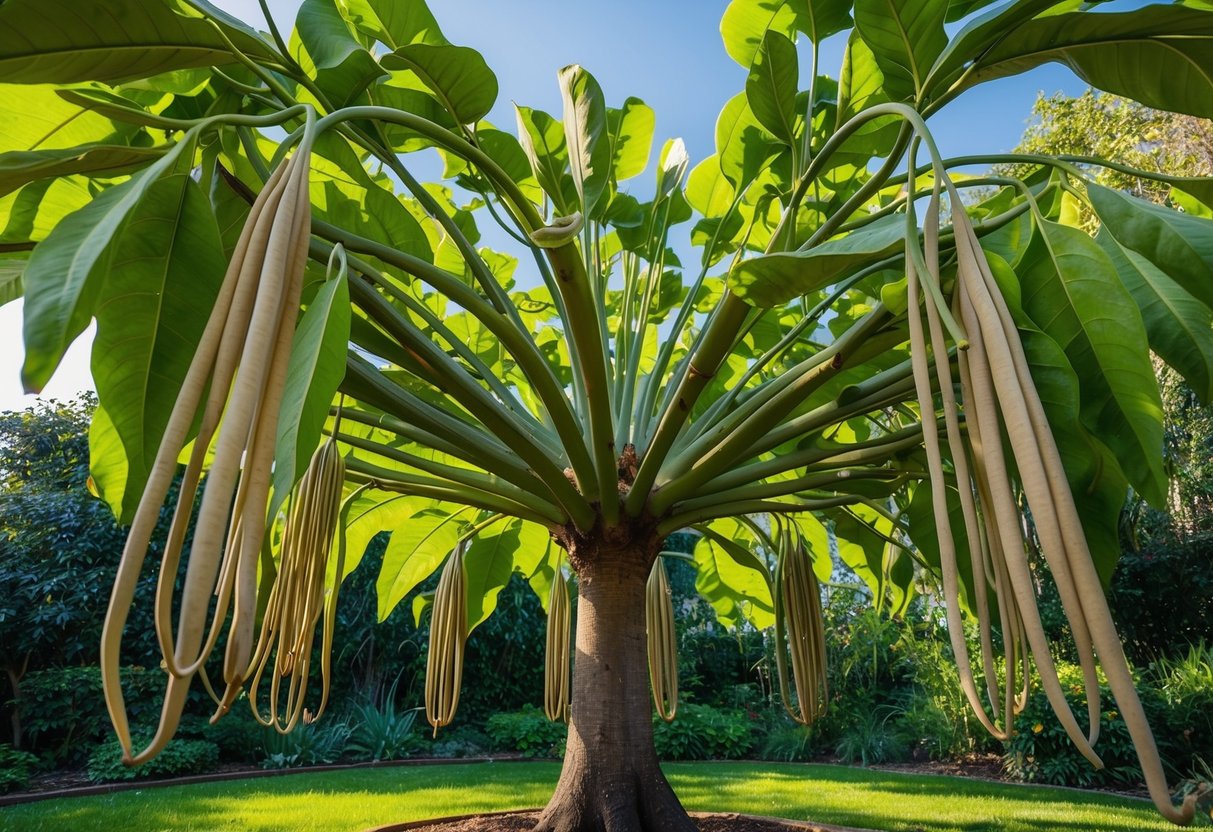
(815, 459)
(715, 344)
(388, 480)
(519, 344)
(478, 480)
(688, 518)
(721, 447)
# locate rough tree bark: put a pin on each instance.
(611, 780)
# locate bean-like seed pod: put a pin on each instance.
(798, 619)
(241, 359)
(556, 654)
(448, 635)
(297, 599)
(662, 642)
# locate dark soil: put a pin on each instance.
(524, 821)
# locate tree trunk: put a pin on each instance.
(611, 781)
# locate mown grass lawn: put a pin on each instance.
(353, 800)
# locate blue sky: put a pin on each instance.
(666, 52)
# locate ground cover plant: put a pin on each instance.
(847, 365)
(340, 801)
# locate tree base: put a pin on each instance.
(525, 822)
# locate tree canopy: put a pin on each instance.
(857, 360)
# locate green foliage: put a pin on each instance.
(527, 732)
(179, 758)
(701, 732)
(312, 744)
(63, 712)
(1040, 751)
(15, 768)
(1185, 684)
(380, 732)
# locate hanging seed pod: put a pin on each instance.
(241, 360)
(556, 655)
(297, 599)
(662, 642)
(798, 615)
(448, 634)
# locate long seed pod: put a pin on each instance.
(245, 341)
(798, 620)
(662, 642)
(1063, 542)
(556, 655)
(448, 635)
(297, 598)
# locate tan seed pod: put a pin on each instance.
(556, 670)
(799, 619)
(241, 359)
(662, 642)
(448, 635)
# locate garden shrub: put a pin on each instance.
(701, 732)
(179, 758)
(15, 768)
(1041, 752)
(1185, 685)
(380, 732)
(309, 744)
(528, 732)
(63, 710)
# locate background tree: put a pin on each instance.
(578, 419)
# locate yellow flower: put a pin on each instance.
(1037, 728)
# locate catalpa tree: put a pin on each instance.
(315, 343)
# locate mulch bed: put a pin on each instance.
(525, 821)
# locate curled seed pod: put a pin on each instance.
(662, 642)
(798, 614)
(448, 634)
(556, 655)
(241, 359)
(297, 598)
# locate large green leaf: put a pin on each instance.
(394, 24)
(493, 556)
(1180, 327)
(1180, 244)
(12, 266)
(861, 536)
(1161, 55)
(726, 575)
(1072, 292)
(1095, 478)
(457, 75)
(585, 136)
(770, 88)
(746, 22)
(821, 18)
(905, 36)
(67, 269)
(49, 41)
(160, 278)
(106, 461)
(630, 132)
(37, 118)
(542, 139)
(771, 279)
(708, 191)
(343, 67)
(315, 368)
(20, 167)
(420, 542)
(742, 145)
(418, 102)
